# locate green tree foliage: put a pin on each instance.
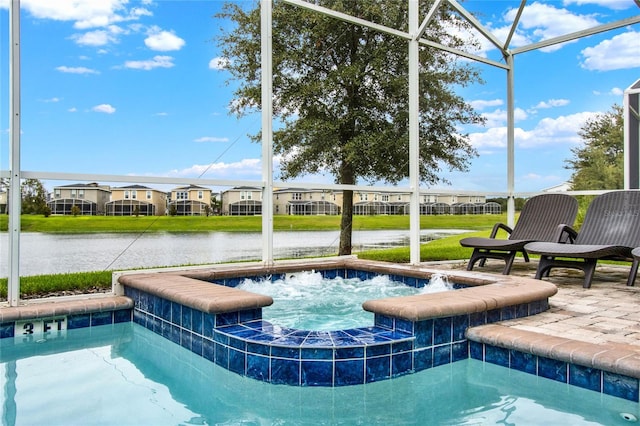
(518, 203)
(599, 163)
(216, 205)
(341, 93)
(34, 197)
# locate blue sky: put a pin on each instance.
(133, 88)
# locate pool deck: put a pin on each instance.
(599, 325)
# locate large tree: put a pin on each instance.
(340, 92)
(34, 197)
(599, 162)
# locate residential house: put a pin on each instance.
(376, 203)
(306, 202)
(190, 200)
(89, 198)
(242, 201)
(136, 200)
(4, 201)
(293, 201)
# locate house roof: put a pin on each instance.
(135, 187)
(190, 187)
(92, 185)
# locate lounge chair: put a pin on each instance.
(611, 230)
(540, 220)
(634, 266)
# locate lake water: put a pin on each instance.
(52, 253)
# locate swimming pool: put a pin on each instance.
(125, 374)
(411, 334)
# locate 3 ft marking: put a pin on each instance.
(46, 328)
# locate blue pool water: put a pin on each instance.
(126, 375)
(308, 301)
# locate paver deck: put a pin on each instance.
(608, 313)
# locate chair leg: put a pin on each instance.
(548, 270)
(508, 262)
(525, 255)
(475, 256)
(634, 270)
(589, 269)
(544, 267)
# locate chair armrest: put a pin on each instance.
(565, 234)
(497, 227)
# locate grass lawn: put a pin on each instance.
(97, 224)
(447, 248)
(85, 282)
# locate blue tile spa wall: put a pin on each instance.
(333, 273)
(585, 377)
(243, 343)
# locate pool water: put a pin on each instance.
(125, 374)
(308, 301)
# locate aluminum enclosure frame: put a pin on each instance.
(414, 38)
(631, 111)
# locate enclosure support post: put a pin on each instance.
(267, 129)
(15, 202)
(414, 135)
(631, 115)
(511, 211)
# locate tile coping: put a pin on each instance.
(485, 292)
(67, 306)
(611, 357)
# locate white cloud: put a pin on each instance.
(481, 104)
(93, 38)
(72, 109)
(611, 4)
(542, 21)
(530, 176)
(494, 137)
(163, 41)
(149, 64)
(211, 139)
(140, 11)
(501, 33)
(76, 70)
(547, 21)
(161, 114)
(615, 91)
(552, 103)
(218, 63)
(105, 108)
(53, 100)
(620, 52)
(84, 13)
(548, 131)
(499, 117)
(246, 168)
